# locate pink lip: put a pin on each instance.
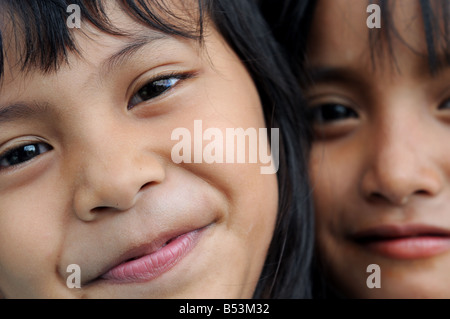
(405, 241)
(152, 265)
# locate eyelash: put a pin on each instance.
(316, 114)
(7, 159)
(165, 87)
(444, 105)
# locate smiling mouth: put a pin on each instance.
(404, 242)
(147, 266)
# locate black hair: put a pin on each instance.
(47, 42)
(437, 38)
(290, 22)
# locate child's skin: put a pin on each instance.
(105, 182)
(380, 163)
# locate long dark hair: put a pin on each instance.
(40, 25)
(290, 22)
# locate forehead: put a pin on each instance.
(38, 39)
(340, 35)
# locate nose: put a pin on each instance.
(402, 163)
(112, 172)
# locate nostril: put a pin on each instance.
(101, 209)
(377, 197)
(113, 205)
(422, 192)
(146, 185)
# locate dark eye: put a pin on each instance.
(23, 154)
(155, 88)
(327, 113)
(445, 105)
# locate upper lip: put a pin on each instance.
(392, 231)
(140, 250)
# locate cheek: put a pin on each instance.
(251, 205)
(252, 197)
(334, 180)
(255, 208)
(227, 99)
(248, 226)
(30, 233)
(329, 178)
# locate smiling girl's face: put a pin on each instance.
(86, 175)
(380, 161)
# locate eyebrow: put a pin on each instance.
(336, 75)
(21, 110)
(129, 50)
(354, 77)
(333, 74)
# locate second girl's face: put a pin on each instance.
(380, 161)
(87, 177)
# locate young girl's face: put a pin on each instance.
(380, 162)
(87, 177)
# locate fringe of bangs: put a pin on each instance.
(43, 40)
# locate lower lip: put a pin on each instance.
(153, 265)
(410, 247)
